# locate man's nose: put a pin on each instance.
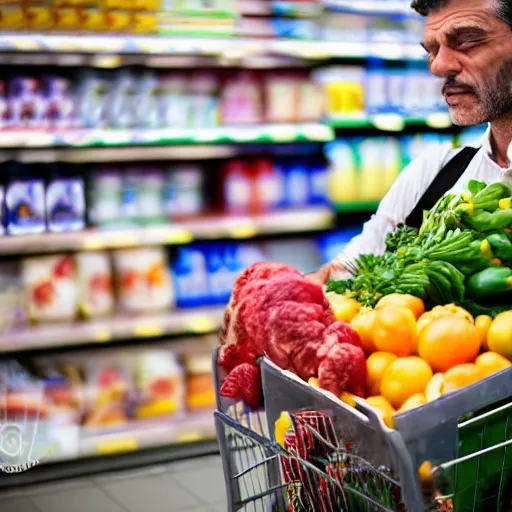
(445, 63)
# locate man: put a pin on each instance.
(469, 43)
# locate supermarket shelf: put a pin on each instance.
(190, 321)
(286, 8)
(307, 219)
(166, 447)
(371, 7)
(143, 435)
(357, 206)
(228, 47)
(260, 134)
(391, 122)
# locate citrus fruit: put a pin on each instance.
(281, 427)
(483, 324)
(343, 308)
(491, 362)
(313, 381)
(499, 337)
(434, 388)
(403, 378)
(414, 401)
(460, 376)
(424, 320)
(383, 407)
(425, 473)
(394, 330)
(414, 304)
(363, 325)
(455, 310)
(376, 365)
(447, 341)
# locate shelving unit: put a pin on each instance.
(96, 332)
(156, 441)
(308, 219)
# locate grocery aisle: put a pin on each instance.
(193, 485)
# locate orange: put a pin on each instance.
(410, 302)
(460, 376)
(490, 362)
(439, 311)
(384, 408)
(394, 330)
(313, 381)
(434, 388)
(363, 325)
(281, 427)
(404, 378)
(344, 308)
(425, 473)
(414, 401)
(376, 365)
(483, 324)
(448, 341)
(455, 310)
(499, 337)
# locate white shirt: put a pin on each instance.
(409, 188)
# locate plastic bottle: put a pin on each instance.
(237, 187)
(269, 185)
(191, 278)
(342, 173)
(297, 184)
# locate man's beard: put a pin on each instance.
(493, 101)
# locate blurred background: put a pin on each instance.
(152, 149)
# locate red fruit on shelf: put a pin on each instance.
(64, 268)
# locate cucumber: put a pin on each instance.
(489, 282)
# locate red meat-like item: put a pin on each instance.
(277, 312)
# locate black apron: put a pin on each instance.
(446, 178)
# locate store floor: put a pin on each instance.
(194, 485)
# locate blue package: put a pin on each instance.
(333, 244)
(219, 275)
(296, 184)
(65, 204)
(25, 206)
(295, 28)
(190, 277)
(318, 176)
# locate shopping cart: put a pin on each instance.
(453, 454)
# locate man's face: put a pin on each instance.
(471, 48)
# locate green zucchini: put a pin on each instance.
(489, 283)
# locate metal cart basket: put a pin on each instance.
(339, 457)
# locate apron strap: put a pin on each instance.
(445, 179)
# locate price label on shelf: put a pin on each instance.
(102, 336)
(93, 243)
(202, 324)
(147, 330)
(190, 437)
(244, 231)
(179, 236)
(117, 445)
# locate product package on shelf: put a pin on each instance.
(12, 296)
(200, 389)
(95, 284)
(160, 383)
(143, 280)
(50, 287)
(65, 204)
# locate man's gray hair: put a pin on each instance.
(425, 7)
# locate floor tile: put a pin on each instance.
(17, 505)
(77, 500)
(10, 493)
(151, 494)
(58, 486)
(207, 483)
(130, 474)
